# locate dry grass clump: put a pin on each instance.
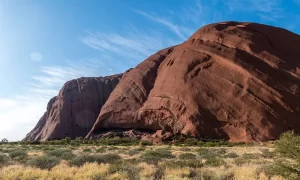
(62, 171)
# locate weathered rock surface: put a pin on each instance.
(236, 81)
(74, 111)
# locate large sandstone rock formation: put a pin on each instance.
(235, 81)
(74, 111)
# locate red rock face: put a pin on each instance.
(235, 81)
(74, 111)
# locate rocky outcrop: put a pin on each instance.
(74, 111)
(235, 81)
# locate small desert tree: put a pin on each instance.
(4, 140)
(288, 147)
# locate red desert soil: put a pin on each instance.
(231, 80)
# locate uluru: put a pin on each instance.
(231, 80)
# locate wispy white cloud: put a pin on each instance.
(177, 29)
(135, 45)
(265, 9)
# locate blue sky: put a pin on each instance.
(46, 43)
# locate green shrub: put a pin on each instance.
(220, 151)
(48, 148)
(4, 159)
(129, 169)
(231, 155)
(185, 149)
(187, 156)
(266, 153)
(184, 163)
(240, 161)
(210, 153)
(109, 158)
(18, 155)
(133, 152)
(87, 150)
(209, 144)
(251, 156)
(111, 148)
(145, 143)
(200, 143)
(101, 150)
(190, 141)
(43, 162)
(118, 141)
(140, 149)
(215, 143)
(202, 151)
(150, 159)
(82, 159)
(105, 158)
(160, 153)
(288, 165)
(214, 162)
(65, 154)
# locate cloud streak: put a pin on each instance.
(265, 9)
(134, 46)
(180, 31)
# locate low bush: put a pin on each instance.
(118, 141)
(187, 156)
(111, 148)
(266, 153)
(185, 149)
(203, 151)
(200, 143)
(101, 150)
(105, 158)
(190, 141)
(132, 152)
(145, 143)
(160, 153)
(251, 156)
(221, 151)
(18, 155)
(184, 163)
(43, 162)
(211, 153)
(150, 159)
(288, 164)
(231, 155)
(132, 172)
(214, 162)
(4, 160)
(87, 150)
(65, 154)
(240, 161)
